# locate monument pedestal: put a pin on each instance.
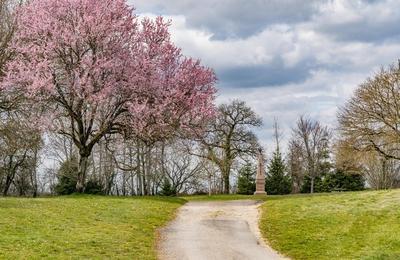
(260, 186)
(260, 177)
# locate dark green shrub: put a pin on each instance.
(167, 189)
(341, 181)
(67, 177)
(318, 185)
(336, 181)
(94, 187)
(277, 181)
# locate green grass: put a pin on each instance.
(82, 227)
(356, 225)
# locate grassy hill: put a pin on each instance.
(82, 227)
(355, 225)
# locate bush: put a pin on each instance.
(318, 185)
(337, 181)
(67, 177)
(94, 187)
(344, 181)
(167, 189)
(246, 181)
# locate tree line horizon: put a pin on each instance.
(119, 108)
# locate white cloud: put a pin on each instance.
(338, 45)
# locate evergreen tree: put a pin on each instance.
(319, 185)
(93, 186)
(67, 177)
(246, 181)
(338, 180)
(349, 182)
(277, 181)
(325, 175)
(167, 189)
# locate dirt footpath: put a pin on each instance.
(215, 230)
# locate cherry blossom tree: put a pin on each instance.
(173, 87)
(96, 70)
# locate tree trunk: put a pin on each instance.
(148, 170)
(312, 185)
(138, 171)
(10, 176)
(225, 176)
(34, 175)
(102, 171)
(131, 172)
(35, 185)
(144, 177)
(226, 171)
(7, 185)
(209, 184)
(226, 183)
(124, 175)
(162, 161)
(221, 184)
(83, 161)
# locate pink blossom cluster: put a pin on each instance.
(178, 92)
(96, 61)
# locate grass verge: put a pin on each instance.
(354, 225)
(82, 226)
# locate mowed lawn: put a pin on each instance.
(82, 227)
(355, 225)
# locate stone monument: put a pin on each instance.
(260, 177)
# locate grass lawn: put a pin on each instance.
(82, 227)
(356, 225)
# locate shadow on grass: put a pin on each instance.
(323, 194)
(182, 199)
(148, 198)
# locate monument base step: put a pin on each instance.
(260, 193)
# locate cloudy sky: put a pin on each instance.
(285, 57)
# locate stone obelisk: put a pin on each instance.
(260, 177)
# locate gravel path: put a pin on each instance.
(215, 230)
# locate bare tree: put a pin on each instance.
(312, 140)
(230, 136)
(378, 171)
(19, 149)
(7, 28)
(381, 173)
(59, 147)
(181, 168)
(371, 119)
(295, 164)
(346, 158)
(211, 174)
(278, 134)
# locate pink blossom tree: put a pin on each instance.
(177, 91)
(95, 66)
